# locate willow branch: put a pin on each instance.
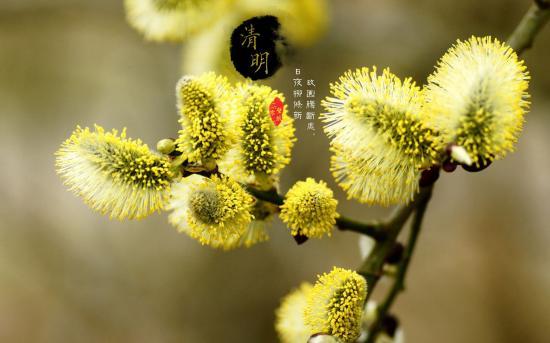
(532, 22)
(399, 283)
(521, 39)
(372, 267)
(270, 196)
(374, 229)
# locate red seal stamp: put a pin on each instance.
(276, 109)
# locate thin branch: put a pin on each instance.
(270, 195)
(374, 229)
(399, 283)
(532, 22)
(372, 267)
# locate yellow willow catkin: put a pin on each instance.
(477, 98)
(289, 317)
(204, 103)
(216, 211)
(380, 138)
(114, 175)
(335, 304)
(173, 20)
(263, 148)
(309, 209)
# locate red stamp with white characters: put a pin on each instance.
(276, 109)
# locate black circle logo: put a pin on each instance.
(255, 47)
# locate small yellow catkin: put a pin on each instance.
(335, 304)
(216, 211)
(204, 103)
(263, 149)
(309, 209)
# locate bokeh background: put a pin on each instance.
(481, 271)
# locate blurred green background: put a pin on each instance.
(67, 274)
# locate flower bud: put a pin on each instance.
(166, 146)
(460, 155)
